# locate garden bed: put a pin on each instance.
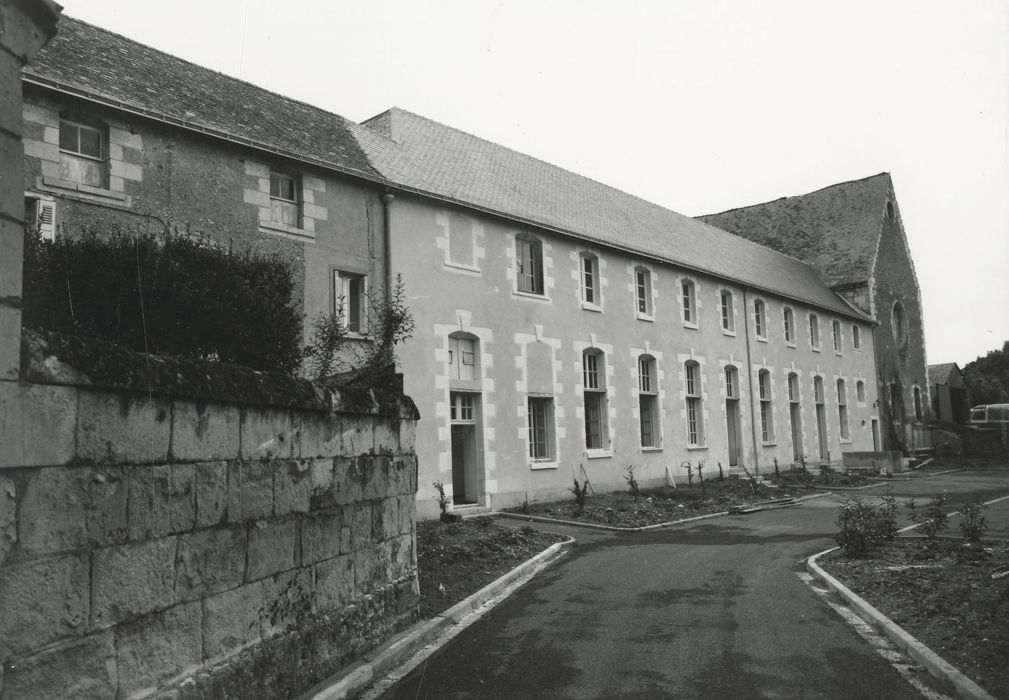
(659, 505)
(951, 596)
(455, 560)
(796, 478)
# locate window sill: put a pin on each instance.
(645, 317)
(688, 324)
(592, 307)
(729, 333)
(694, 448)
(816, 349)
(790, 345)
(530, 295)
(761, 338)
(598, 454)
(651, 449)
(294, 232)
(857, 349)
(462, 267)
(769, 444)
(543, 465)
(838, 353)
(85, 192)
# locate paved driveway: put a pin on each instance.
(713, 610)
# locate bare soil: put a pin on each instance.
(951, 596)
(455, 560)
(659, 505)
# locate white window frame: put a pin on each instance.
(842, 410)
(534, 277)
(595, 400)
(856, 337)
(726, 305)
(462, 408)
(760, 319)
(282, 207)
(343, 301)
(814, 332)
(648, 403)
(693, 379)
(838, 338)
(589, 283)
(643, 293)
(788, 319)
(688, 303)
(766, 408)
(542, 432)
(76, 154)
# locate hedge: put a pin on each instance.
(171, 294)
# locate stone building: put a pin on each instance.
(202, 152)
(853, 235)
(564, 329)
(947, 393)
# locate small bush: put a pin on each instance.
(632, 483)
(933, 519)
(580, 491)
(972, 521)
(864, 526)
(169, 293)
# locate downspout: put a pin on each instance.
(387, 199)
(749, 382)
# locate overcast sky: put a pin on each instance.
(699, 106)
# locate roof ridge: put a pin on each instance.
(173, 57)
(795, 196)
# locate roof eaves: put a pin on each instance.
(34, 78)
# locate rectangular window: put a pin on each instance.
(648, 402)
(82, 154)
(758, 318)
(529, 264)
(284, 199)
(789, 319)
(461, 408)
(349, 294)
(688, 302)
(836, 332)
(589, 273)
(695, 415)
(814, 331)
(541, 428)
(596, 437)
(590, 370)
(730, 383)
(856, 337)
(727, 316)
(643, 291)
(766, 414)
(462, 358)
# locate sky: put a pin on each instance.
(697, 105)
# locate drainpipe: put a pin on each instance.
(749, 381)
(387, 199)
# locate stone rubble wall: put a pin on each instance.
(162, 546)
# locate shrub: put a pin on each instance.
(580, 491)
(972, 521)
(864, 526)
(933, 519)
(170, 293)
(632, 483)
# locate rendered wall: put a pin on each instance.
(511, 328)
(219, 548)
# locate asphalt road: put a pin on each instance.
(713, 610)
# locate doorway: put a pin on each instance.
(464, 412)
(875, 435)
(795, 416)
(821, 416)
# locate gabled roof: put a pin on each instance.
(836, 229)
(97, 64)
(941, 374)
(432, 158)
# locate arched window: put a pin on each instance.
(589, 275)
(917, 404)
(860, 391)
(648, 401)
(835, 329)
(856, 337)
(766, 412)
(463, 362)
(842, 409)
(759, 318)
(814, 331)
(889, 210)
(643, 291)
(695, 412)
(789, 318)
(728, 314)
(688, 295)
(899, 326)
(594, 385)
(528, 264)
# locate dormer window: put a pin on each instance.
(82, 153)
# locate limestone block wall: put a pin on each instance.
(182, 547)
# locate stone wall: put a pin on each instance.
(173, 545)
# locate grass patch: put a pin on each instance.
(455, 560)
(951, 595)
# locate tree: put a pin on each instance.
(987, 378)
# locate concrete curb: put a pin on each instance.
(857, 488)
(749, 508)
(938, 667)
(404, 645)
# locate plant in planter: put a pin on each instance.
(443, 501)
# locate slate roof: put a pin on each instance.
(429, 157)
(108, 67)
(835, 229)
(942, 373)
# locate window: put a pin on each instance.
(731, 383)
(842, 409)
(917, 404)
(789, 326)
(728, 322)
(648, 401)
(594, 381)
(856, 337)
(817, 389)
(766, 414)
(461, 408)
(462, 360)
(814, 331)
(82, 153)
(589, 279)
(860, 391)
(793, 388)
(835, 329)
(889, 210)
(899, 325)
(40, 215)
(759, 322)
(695, 414)
(643, 291)
(541, 428)
(689, 302)
(349, 293)
(529, 264)
(284, 199)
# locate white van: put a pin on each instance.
(992, 414)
